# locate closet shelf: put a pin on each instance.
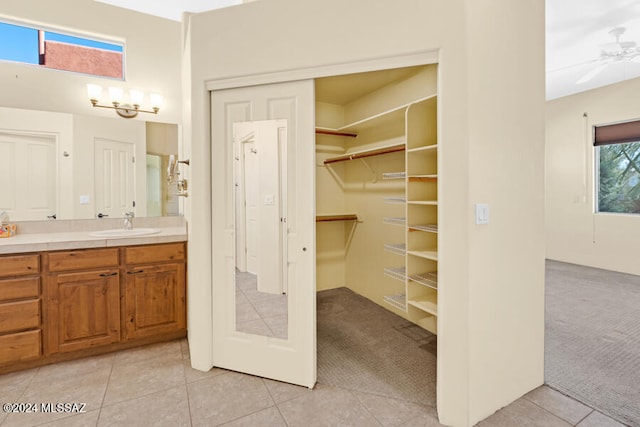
(427, 148)
(395, 200)
(392, 220)
(326, 131)
(427, 304)
(423, 178)
(336, 217)
(429, 279)
(423, 202)
(394, 175)
(389, 116)
(366, 153)
(398, 273)
(432, 255)
(396, 248)
(398, 301)
(432, 228)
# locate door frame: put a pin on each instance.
(201, 307)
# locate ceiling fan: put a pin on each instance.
(611, 53)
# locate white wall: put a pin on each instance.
(152, 56)
(491, 126)
(574, 232)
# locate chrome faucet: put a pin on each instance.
(128, 220)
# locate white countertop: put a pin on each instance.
(36, 242)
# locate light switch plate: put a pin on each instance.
(84, 200)
(482, 213)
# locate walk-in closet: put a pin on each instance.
(377, 225)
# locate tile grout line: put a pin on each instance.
(583, 418)
(22, 392)
(364, 407)
(186, 386)
(275, 403)
(556, 416)
(104, 395)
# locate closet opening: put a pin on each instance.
(377, 187)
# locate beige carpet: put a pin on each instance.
(592, 340)
(364, 347)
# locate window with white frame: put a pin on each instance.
(62, 51)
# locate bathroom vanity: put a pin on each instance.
(70, 294)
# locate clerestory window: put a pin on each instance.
(57, 50)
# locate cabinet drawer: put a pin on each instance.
(19, 265)
(16, 316)
(19, 288)
(83, 259)
(21, 346)
(154, 253)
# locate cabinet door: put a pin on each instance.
(84, 310)
(155, 300)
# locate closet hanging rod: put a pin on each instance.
(366, 153)
(341, 217)
(335, 132)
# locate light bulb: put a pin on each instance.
(156, 100)
(115, 93)
(136, 96)
(94, 91)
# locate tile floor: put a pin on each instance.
(258, 312)
(155, 386)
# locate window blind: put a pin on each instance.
(617, 133)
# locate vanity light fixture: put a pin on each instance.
(116, 95)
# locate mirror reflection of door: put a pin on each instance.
(114, 178)
(260, 211)
(28, 176)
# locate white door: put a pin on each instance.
(114, 178)
(251, 190)
(291, 359)
(28, 176)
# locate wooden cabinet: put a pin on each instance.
(83, 300)
(64, 304)
(20, 308)
(155, 295)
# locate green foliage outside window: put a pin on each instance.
(619, 178)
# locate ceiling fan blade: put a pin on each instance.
(591, 74)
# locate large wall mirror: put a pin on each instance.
(68, 166)
(260, 206)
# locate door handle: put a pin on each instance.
(52, 216)
(108, 274)
(135, 272)
(101, 215)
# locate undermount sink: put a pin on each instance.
(121, 232)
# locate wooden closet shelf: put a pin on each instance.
(335, 132)
(366, 153)
(336, 217)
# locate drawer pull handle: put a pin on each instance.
(108, 274)
(135, 272)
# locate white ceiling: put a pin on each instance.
(171, 9)
(576, 32)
